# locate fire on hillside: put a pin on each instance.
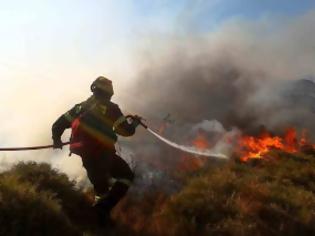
(256, 147)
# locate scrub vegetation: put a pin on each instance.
(270, 196)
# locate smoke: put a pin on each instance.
(237, 75)
(238, 79)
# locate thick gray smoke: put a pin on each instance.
(241, 75)
(238, 79)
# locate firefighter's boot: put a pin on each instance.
(106, 203)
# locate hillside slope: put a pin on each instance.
(274, 196)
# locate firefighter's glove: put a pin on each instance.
(57, 143)
(136, 120)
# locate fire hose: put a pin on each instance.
(188, 149)
(51, 145)
(30, 148)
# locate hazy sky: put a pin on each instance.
(60, 37)
(51, 50)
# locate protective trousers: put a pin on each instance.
(111, 177)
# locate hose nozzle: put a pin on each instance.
(138, 119)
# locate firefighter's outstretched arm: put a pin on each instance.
(64, 122)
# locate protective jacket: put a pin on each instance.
(94, 124)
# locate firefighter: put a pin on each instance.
(95, 124)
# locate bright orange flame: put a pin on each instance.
(188, 164)
(200, 142)
(257, 147)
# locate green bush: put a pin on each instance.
(38, 200)
(72, 200)
(26, 211)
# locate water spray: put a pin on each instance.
(188, 149)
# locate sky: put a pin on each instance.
(51, 50)
(93, 37)
(64, 35)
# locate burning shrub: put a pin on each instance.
(139, 215)
(257, 146)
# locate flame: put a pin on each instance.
(257, 147)
(188, 164)
(200, 142)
